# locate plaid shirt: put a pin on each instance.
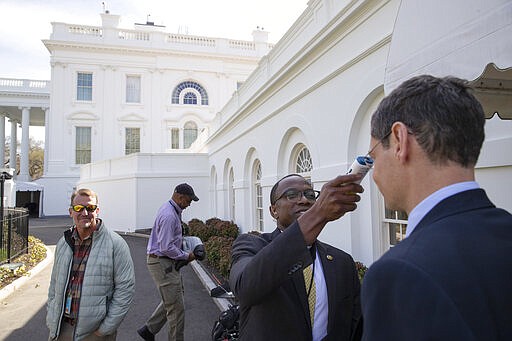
(81, 252)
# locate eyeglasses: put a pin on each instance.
(295, 195)
(382, 139)
(378, 143)
(89, 208)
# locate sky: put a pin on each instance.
(24, 23)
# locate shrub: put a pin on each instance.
(361, 270)
(219, 253)
(218, 236)
(36, 253)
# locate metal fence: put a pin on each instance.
(13, 233)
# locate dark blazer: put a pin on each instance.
(451, 279)
(266, 278)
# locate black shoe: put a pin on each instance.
(145, 333)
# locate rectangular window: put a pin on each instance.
(396, 222)
(84, 86)
(132, 89)
(132, 142)
(259, 207)
(83, 145)
(175, 138)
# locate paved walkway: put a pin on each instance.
(23, 304)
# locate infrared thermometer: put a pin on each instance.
(361, 165)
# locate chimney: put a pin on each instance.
(110, 20)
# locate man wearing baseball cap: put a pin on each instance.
(163, 253)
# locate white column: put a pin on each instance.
(46, 133)
(25, 123)
(14, 145)
(2, 140)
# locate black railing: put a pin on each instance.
(13, 233)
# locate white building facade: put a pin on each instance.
(305, 109)
(120, 91)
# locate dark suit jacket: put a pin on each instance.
(451, 279)
(266, 277)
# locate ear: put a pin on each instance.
(400, 141)
(70, 212)
(273, 211)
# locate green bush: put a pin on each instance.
(361, 270)
(218, 236)
(218, 253)
(36, 253)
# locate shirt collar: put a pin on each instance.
(433, 199)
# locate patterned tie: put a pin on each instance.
(310, 291)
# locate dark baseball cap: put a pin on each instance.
(187, 190)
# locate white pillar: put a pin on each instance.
(14, 145)
(46, 133)
(25, 123)
(2, 140)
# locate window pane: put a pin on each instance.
(396, 233)
(304, 162)
(133, 89)
(190, 98)
(84, 86)
(189, 134)
(258, 191)
(83, 145)
(132, 143)
(175, 138)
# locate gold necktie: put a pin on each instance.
(310, 291)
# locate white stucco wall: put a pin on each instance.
(133, 187)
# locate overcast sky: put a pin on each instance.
(24, 23)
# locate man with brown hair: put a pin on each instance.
(450, 278)
(93, 281)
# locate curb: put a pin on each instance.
(12, 287)
(222, 303)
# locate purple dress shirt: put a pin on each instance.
(166, 236)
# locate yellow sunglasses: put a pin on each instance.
(89, 208)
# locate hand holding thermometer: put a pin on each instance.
(361, 165)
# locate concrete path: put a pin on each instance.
(23, 309)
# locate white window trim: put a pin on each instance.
(75, 89)
(140, 90)
(141, 133)
(73, 137)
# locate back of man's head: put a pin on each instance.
(442, 113)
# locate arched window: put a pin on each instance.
(189, 96)
(258, 196)
(189, 134)
(304, 164)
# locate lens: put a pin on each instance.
(292, 194)
(89, 208)
(310, 194)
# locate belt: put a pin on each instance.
(69, 320)
(152, 255)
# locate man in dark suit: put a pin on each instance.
(451, 277)
(267, 273)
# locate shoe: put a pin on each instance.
(145, 333)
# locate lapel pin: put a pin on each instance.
(329, 257)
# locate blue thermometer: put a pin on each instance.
(361, 165)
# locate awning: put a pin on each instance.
(28, 186)
(456, 38)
